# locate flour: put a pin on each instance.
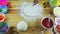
(31, 12)
(22, 26)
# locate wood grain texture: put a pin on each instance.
(13, 18)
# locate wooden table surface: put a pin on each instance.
(13, 18)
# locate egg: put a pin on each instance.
(56, 11)
(22, 26)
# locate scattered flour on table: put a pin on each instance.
(30, 12)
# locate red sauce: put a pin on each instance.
(58, 28)
(46, 23)
(1, 17)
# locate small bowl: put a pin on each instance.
(4, 2)
(22, 26)
(1, 33)
(3, 29)
(55, 29)
(44, 26)
(4, 9)
(54, 3)
(2, 15)
(57, 20)
(56, 11)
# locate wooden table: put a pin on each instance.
(13, 18)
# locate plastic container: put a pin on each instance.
(46, 24)
(51, 3)
(2, 33)
(3, 9)
(56, 12)
(57, 25)
(4, 27)
(22, 26)
(57, 20)
(2, 17)
(4, 2)
(57, 28)
(54, 3)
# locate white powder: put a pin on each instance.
(30, 12)
(22, 26)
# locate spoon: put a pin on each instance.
(49, 18)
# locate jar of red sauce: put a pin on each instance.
(47, 24)
(2, 17)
